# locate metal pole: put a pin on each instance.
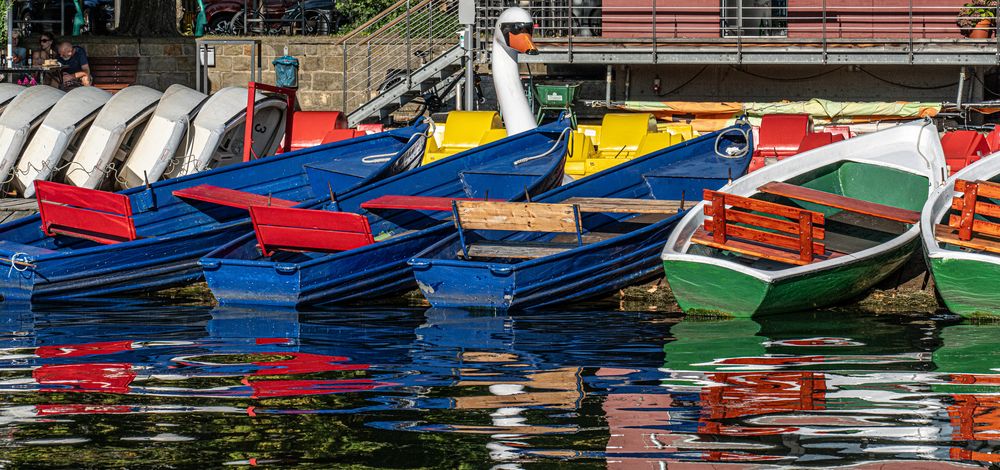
(470, 70)
(961, 90)
(409, 68)
(344, 85)
(654, 39)
(607, 89)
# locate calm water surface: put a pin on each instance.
(145, 385)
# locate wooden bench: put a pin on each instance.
(837, 201)
(965, 229)
(114, 73)
(515, 217)
(302, 230)
(417, 203)
(89, 214)
(768, 233)
(230, 197)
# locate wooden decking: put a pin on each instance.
(16, 208)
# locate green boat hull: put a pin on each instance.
(707, 289)
(969, 288)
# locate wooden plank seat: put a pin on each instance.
(306, 230)
(837, 201)
(515, 217)
(972, 226)
(230, 197)
(419, 203)
(114, 73)
(626, 205)
(772, 231)
(98, 216)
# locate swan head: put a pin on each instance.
(513, 32)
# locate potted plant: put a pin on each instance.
(977, 19)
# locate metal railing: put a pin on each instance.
(653, 24)
(386, 50)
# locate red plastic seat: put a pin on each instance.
(817, 140)
(337, 135)
(230, 197)
(311, 127)
(963, 147)
(781, 134)
(90, 214)
(281, 228)
(993, 140)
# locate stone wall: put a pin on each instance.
(162, 61)
(320, 68)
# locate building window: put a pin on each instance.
(754, 18)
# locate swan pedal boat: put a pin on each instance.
(86, 242)
(357, 247)
(961, 235)
(613, 226)
(807, 232)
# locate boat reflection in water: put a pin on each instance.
(446, 388)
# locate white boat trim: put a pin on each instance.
(126, 111)
(940, 202)
(9, 91)
(71, 116)
(20, 118)
(914, 148)
(163, 138)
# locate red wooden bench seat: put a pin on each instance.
(285, 229)
(419, 203)
(230, 197)
(966, 229)
(837, 201)
(90, 214)
(767, 233)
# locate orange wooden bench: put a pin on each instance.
(837, 201)
(967, 230)
(90, 214)
(301, 230)
(230, 197)
(418, 203)
(771, 231)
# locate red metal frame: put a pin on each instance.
(289, 94)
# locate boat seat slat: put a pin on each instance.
(703, 237)
(733, 229)
(837, 201)
(286, 229)
(89, 214)
(419, 203)
(515, 251)
(946, 234)
(625, 205)
(230, 197)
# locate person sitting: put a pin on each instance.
(20, 55)
(76, 68)
(45, 51)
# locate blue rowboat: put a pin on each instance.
(400, 216)
(92, 243)
(622, 218)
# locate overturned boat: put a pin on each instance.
(58, 137)
(109, 139)
(162, 140)
(20, 119)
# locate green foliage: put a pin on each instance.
(974, 12)
(359, 11)
(5, 6)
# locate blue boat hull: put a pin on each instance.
(239, 276)
(591, 270)
(579, 274)
(175, 233)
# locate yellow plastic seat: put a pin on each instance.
(658, 141)
(679, 128)
(581, 149)
(465, 130)
(621, 134)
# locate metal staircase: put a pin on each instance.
(411, 50)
